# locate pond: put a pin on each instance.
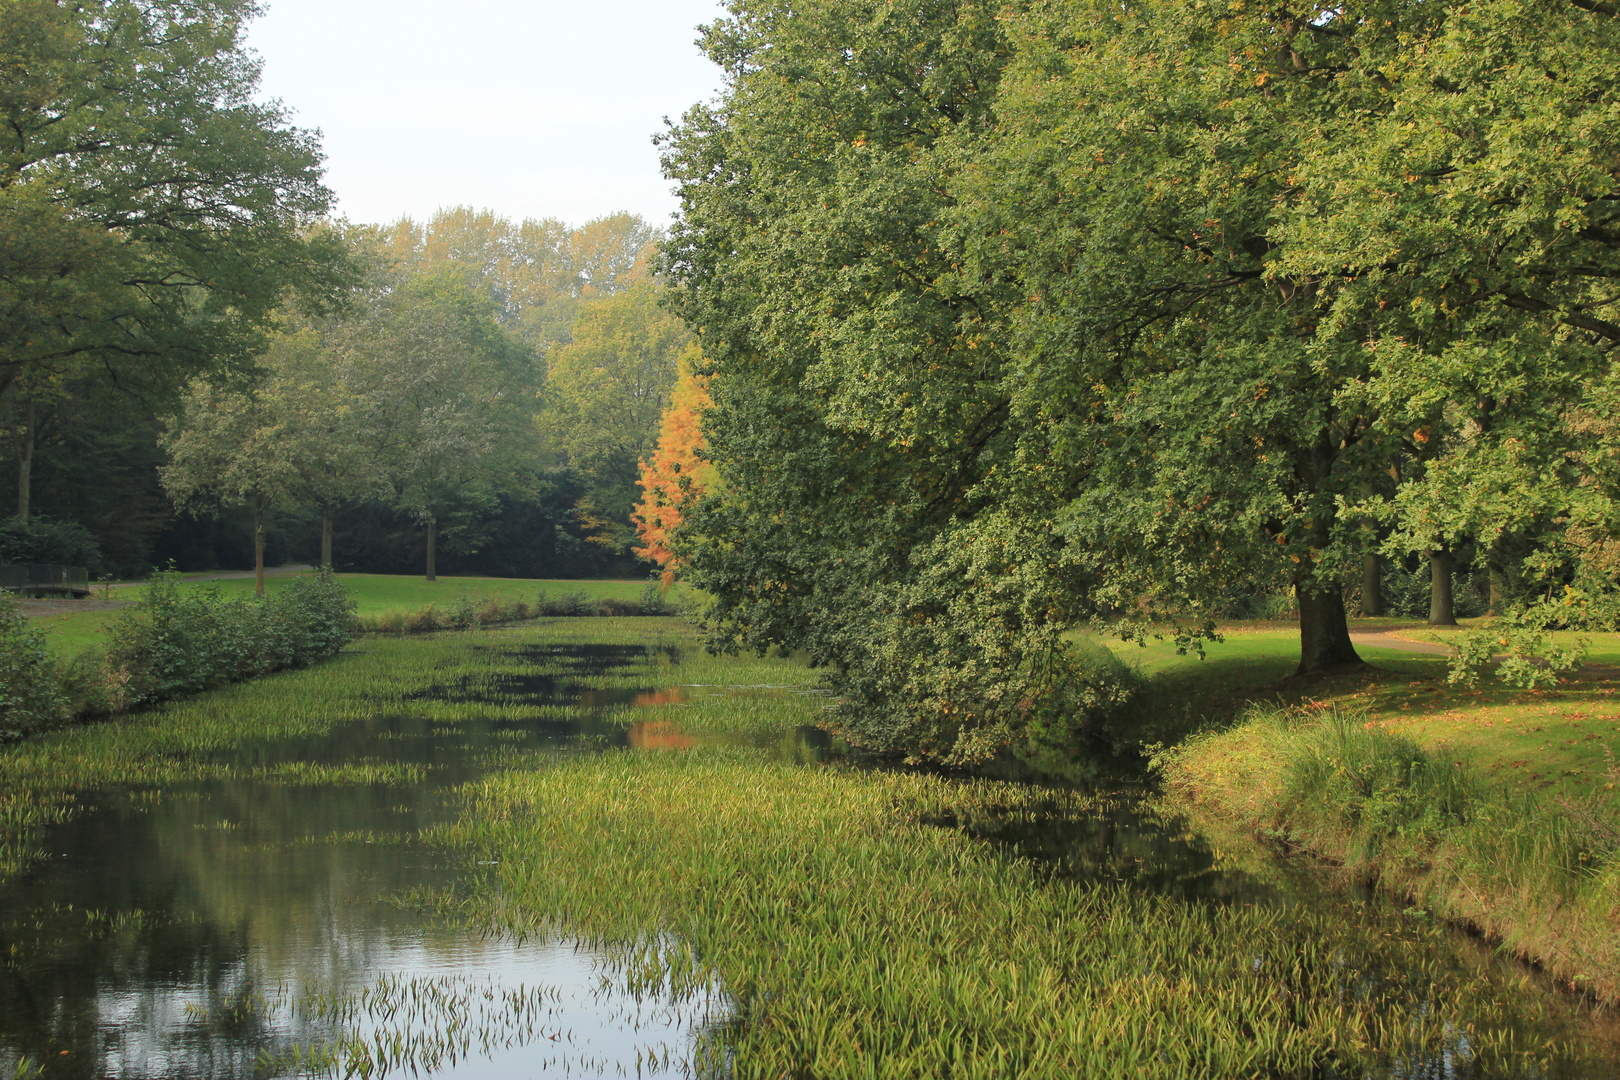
(265, 924)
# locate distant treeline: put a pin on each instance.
(198, 366)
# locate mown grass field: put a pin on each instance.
(72, 633)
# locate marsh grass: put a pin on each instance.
(857, 940)
(1539, 873)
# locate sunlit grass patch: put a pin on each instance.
(1538, 870)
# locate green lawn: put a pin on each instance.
(1559, 740)
(376, 593)
(71, 634)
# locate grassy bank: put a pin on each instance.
(1495, 807)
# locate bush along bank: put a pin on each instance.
(177, 640)
(469, 613)
(1540, 874)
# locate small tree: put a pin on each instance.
(447, 394)
(226, 445)
(676, 472)
(319, 428)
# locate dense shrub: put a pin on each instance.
(181, 640)
(30, 698)
(42, 540)
(574, 603)
(1092, 706)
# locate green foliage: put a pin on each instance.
(1092, 705)
(1019, 315)
(152, 212)
(178, 641)
(1521, 644)
(30, 698)
(606, 391)
(46, 540)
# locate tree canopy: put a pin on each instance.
(152, 214)
(1021, 316)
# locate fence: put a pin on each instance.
(43, 579)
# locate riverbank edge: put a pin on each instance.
(1227, 785)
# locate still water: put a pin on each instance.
(254, 928)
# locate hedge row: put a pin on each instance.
(176, 641)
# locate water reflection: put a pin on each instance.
(210, 931)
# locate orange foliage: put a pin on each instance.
(675, 473)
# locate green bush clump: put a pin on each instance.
(181, 640)
(43, 540)
(1092, 704)
(30, 697)
(573, 603)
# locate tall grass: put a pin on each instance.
(1541, 875)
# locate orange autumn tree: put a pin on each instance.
(675, 473)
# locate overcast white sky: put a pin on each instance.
(531, 108)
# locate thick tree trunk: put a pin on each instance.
(432, 548)
(326, 538)
(1372, 585)
(25, 462)
(1324, 634)
(1494, 561)
(258, 545)
(1441, 612)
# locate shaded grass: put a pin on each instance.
(1556, 742)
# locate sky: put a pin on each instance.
(530, 108)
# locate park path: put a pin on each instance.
(1382, 640)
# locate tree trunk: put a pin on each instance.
(432, 548)
(326, 538)
(1324, 635)
(1441, 612)
(1372, 585)
(258, 544)
(1494, 566)
(25, 462)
